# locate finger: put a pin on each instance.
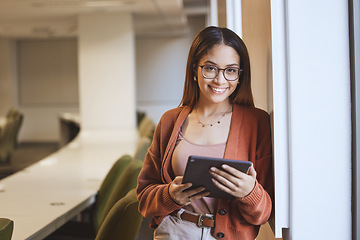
(197, 197)
(194, 191)
(222, 187)
(233, 171)
(178, 180)
(231, 182)
(177, 183)
(225, 175)
(252, 172)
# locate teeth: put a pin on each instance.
(218, 89)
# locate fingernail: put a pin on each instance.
(213, 169)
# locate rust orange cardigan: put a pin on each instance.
(249, 139)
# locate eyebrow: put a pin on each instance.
(228, 65)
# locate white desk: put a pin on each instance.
(47, 194)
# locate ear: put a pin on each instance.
(195, 74)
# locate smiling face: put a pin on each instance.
(217, 90)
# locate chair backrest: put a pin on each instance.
(6, 228)
(139, 116)
(146, 127)
(123, 220)
(107, 187)
(7, 140)
(142, 148)
(12, 112)
(14, 115)
(126, 182)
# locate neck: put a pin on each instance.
(207, 110)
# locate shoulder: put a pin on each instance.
(251, 113)
(171, 115)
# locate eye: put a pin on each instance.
(210, 68)
(231, 70)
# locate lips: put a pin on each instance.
(218, 90)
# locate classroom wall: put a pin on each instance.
(160, 73)
(7, 75)
(161, 65)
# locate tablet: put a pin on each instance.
(197, 172)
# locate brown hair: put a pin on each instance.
(204, 42)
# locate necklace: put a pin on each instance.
(212, 124)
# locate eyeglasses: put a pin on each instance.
(211, 72)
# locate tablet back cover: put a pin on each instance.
(197, 172)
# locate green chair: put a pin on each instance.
(9, 135)
(123, 220)
(6, 228)
(126, 182)
(7, 140)
(142, 148)
(88, 229)
(139, 116)
(14, 114)
(107, 187)
(146, 127)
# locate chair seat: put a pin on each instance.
(6, 228)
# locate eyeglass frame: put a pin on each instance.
(219, 69)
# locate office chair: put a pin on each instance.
(146, 127)
(126, 182)
(14, 114)
(7, 140)
(88, 229)
(123, 220)
(142, 148)
(107, 187)
(139, 116)
(9, 135)
(6, 228)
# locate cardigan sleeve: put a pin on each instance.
(152, 190)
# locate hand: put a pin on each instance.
(182, 197)
(233, 181)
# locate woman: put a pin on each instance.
(216, 118)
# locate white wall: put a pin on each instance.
(107, 71)
(40, 121)
(314, 40)
(161, 65)
(7, 75)
(160, 74)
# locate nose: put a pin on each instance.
(220, 78)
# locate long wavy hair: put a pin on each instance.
(202, 44)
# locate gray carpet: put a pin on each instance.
(26, 154)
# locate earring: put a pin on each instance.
(195, 78)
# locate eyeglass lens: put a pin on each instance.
(230, 73)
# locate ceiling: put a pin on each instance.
(58, 18)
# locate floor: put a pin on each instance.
(26, 154)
